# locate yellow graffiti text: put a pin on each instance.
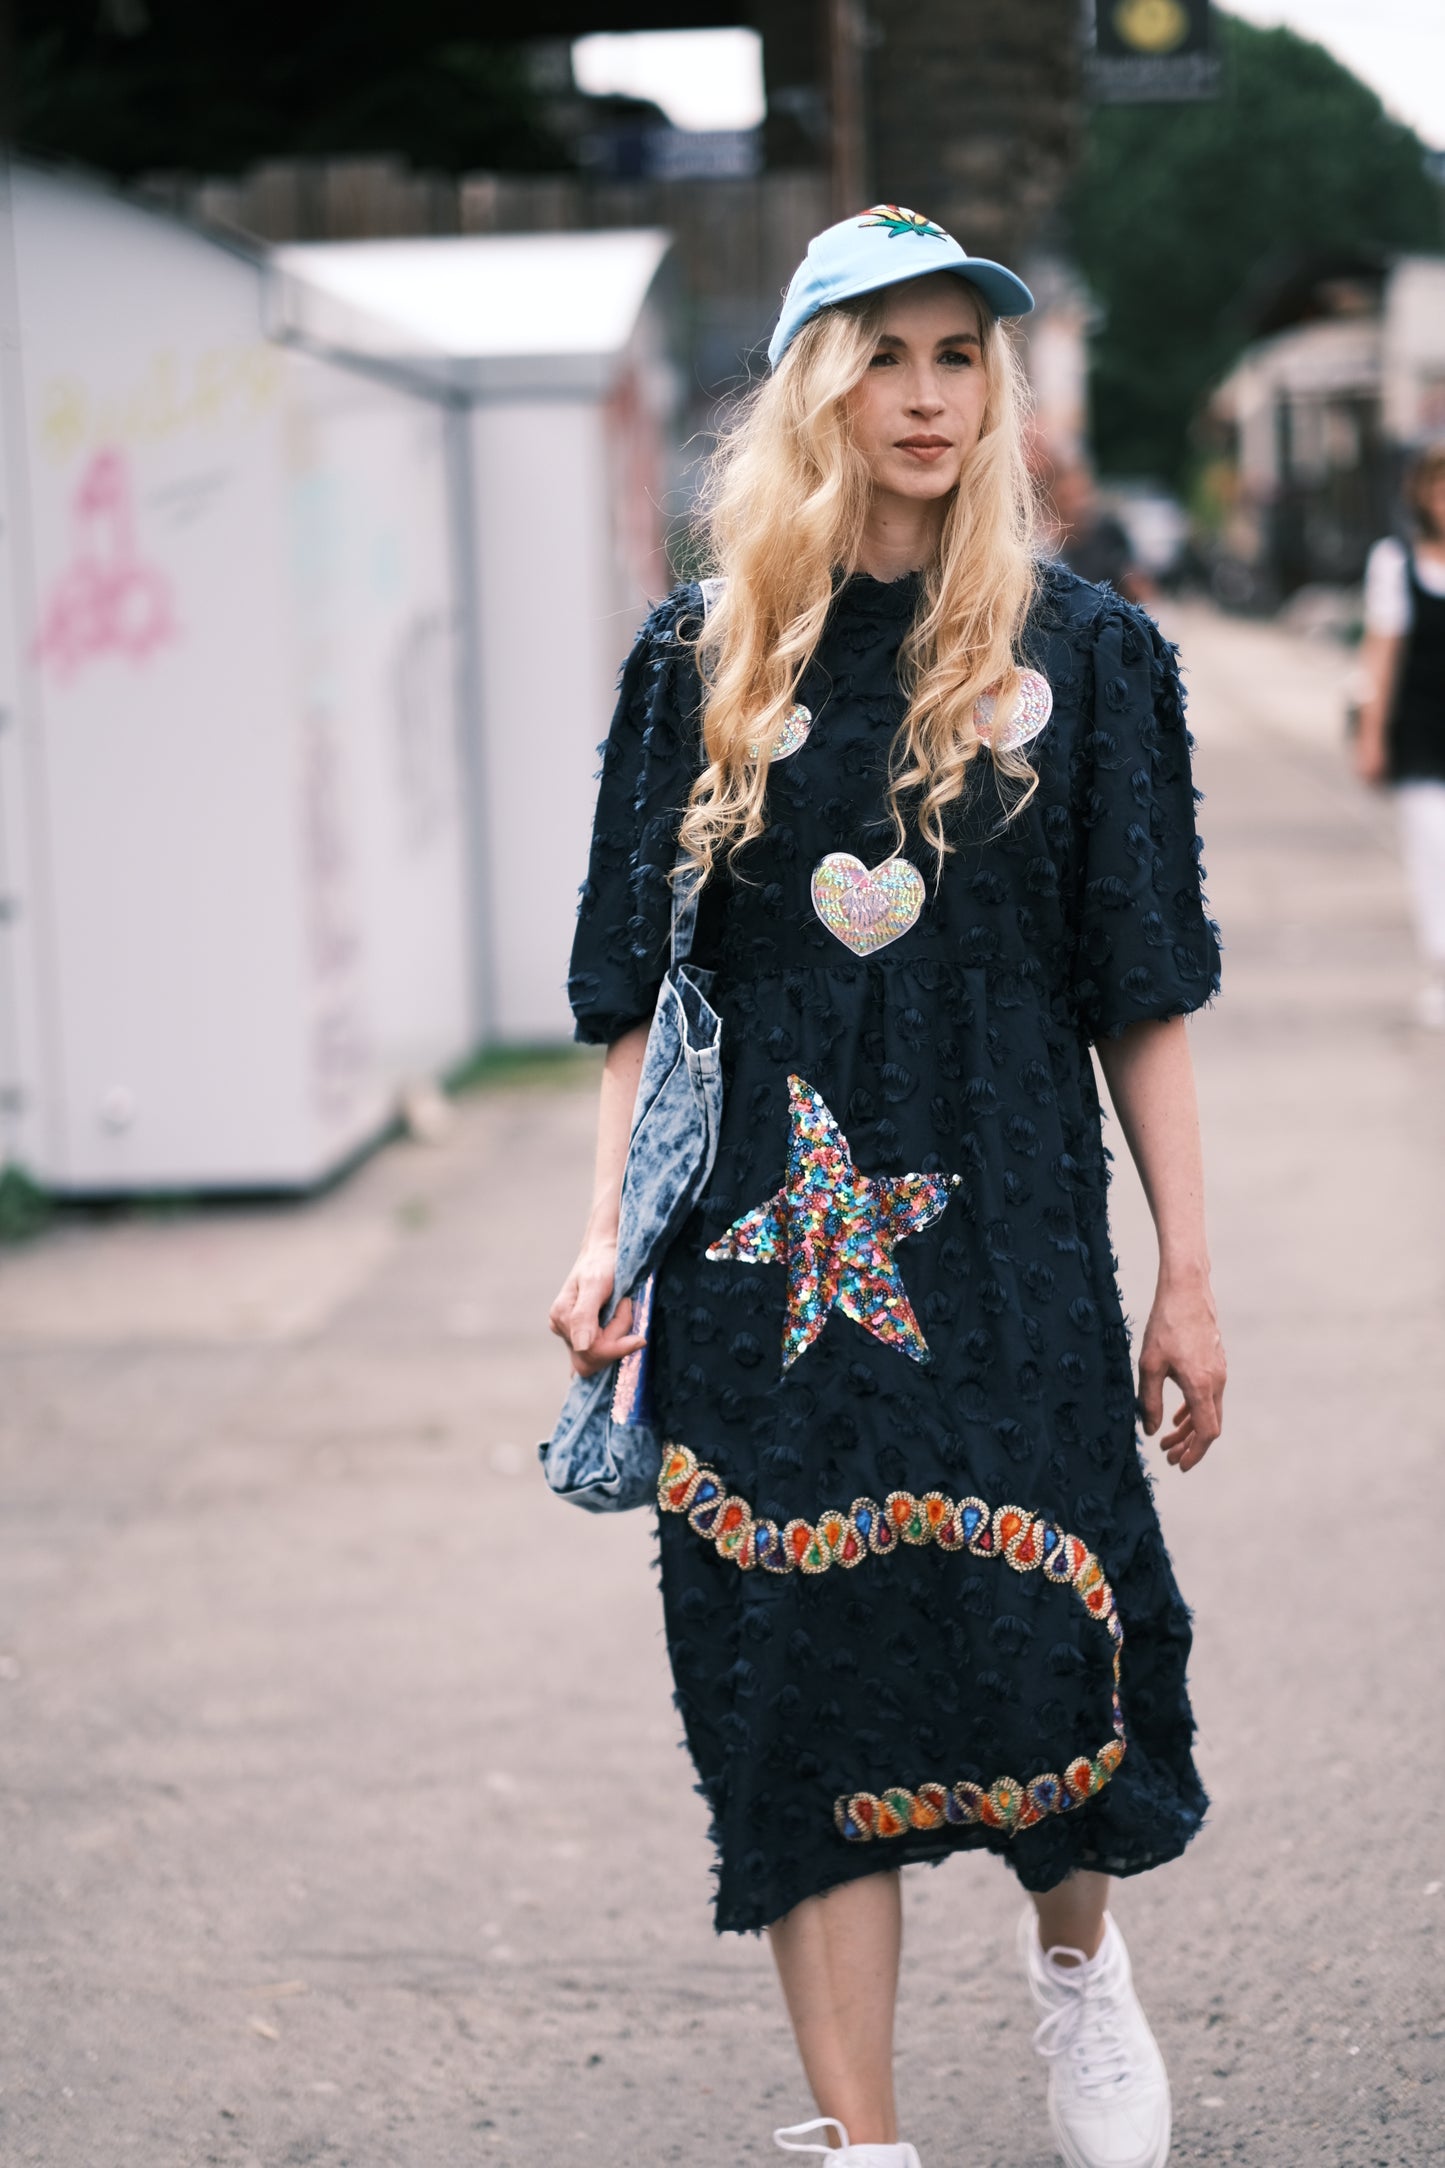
(218, 388)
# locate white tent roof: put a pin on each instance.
(488, 314)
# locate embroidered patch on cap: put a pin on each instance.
(898, 220)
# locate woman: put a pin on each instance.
(1402, 720)
(891, 1329)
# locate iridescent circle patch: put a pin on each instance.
(1032, 709)
(795, 727)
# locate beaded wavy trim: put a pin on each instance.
(1006, 1805)
(1026, 1541)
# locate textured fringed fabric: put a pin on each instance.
(856, 1700)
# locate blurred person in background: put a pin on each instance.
(916, 1595)
(1401, 738)
(1094, 542)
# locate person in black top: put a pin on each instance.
(916, 1594)
(1401, 737)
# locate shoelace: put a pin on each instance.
(1088, 2028)
(845, 2154)
(784, 2137)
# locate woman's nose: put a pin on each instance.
(927, 396)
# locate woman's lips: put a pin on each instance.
(925, 448)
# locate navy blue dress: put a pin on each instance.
(916, 1595)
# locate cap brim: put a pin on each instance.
(1005, 293)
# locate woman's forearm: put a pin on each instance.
(1151, 1082)
(621, 1074)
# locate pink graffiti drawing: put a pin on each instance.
(105, 602)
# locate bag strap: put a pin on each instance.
(684, 919)
(685, 893)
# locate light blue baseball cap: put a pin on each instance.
(882, 247)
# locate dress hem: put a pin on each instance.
(933, 1847)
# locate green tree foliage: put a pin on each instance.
(1180, 209)
(210, 86)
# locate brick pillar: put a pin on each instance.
(974, 112)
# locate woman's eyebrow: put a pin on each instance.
(951, 338)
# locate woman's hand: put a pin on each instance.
(576, 1314)
(1181, 1341)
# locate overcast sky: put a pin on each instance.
(714, 78)
(700, 78)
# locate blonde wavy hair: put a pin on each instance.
(785, 500)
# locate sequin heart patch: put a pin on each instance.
(866, 907)
(1031, 710)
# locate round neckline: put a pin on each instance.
(890, 598)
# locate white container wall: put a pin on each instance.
(557, 345)
(234, 871)
(551, 639)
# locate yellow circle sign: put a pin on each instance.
(1152, 26)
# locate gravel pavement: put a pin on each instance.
(342, 1813)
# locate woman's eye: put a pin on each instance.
(879, 361)
(961, 355)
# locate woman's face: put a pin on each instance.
(917, 412)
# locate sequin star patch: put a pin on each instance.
(835, 1230)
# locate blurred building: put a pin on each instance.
(1055, 341)
(1308, 432)
(969, 112)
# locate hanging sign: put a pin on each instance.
(1147, 52)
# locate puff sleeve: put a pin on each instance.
(1147, 948)
(619, 951)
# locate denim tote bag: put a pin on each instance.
(605, 1453)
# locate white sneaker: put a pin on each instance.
(1108, 2088)
(844, 2155)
